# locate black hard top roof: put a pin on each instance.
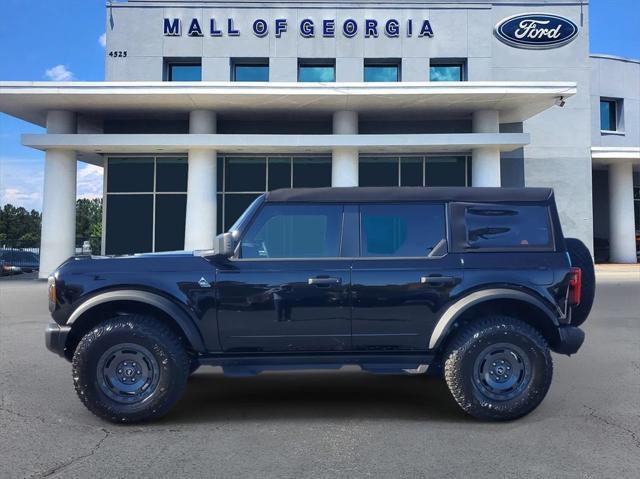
(395, 193)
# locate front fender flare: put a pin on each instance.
(454, 311)
(182, 318)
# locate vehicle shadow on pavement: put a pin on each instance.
(314, 395)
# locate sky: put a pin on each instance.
(40, 40)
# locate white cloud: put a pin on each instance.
(102, 40)
(21, 182)
(89, 181)
(59, 73)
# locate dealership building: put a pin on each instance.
(208, 104)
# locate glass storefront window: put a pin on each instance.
(279, 173)
(170, 217)
(171, 174)
(251, 72)
(314, 72)
(453, 72)
(245, 174)
(378, 171)
(184, 71)
(129, 224)
(381, 73)
(411, 172)
(414, 171)
(311, 172)
(445, 171)
(130, 175)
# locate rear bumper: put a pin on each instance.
(570, 340)
(55, 338)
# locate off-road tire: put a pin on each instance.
(167, 353)
(466, 385)
(581, 257)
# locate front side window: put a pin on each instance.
(402, 230)
(251, 71)
(608, 115)
(184, 71)
(294, 231)
(498, 226)
(317, 71)
(381, 72)
(453, 71)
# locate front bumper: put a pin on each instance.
(570, 340)
(55, 338)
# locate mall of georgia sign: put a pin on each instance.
(536, 31)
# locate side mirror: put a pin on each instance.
(225, 244)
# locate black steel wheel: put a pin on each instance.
(498, 368)
(130, 369)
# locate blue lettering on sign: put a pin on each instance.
(172, 28)
(392, 28)
(194, 28)
(529, 30)
(260, 28)
(349, 28)
(306, 28)
(536, 31)
(328, 28)
(281, 26)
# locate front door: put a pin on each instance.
(288, 289)
(402, 277)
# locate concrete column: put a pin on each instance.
(200, 221)
(58, 233)
(622, 230)
(344, 162)
(485, 161)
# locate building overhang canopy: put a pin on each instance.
(515, 101)
(606, 155)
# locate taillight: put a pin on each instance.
(575, 286)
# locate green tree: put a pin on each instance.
(19, 227)
(89, 222)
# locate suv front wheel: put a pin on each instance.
(498, 368)
(130, 369)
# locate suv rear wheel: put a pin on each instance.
(130, 368)
(498, 368)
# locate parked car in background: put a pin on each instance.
(16, 261)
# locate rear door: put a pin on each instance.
(402, 277)
(289, 288)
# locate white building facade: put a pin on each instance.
(207, 104)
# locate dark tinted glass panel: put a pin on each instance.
(220, 173)
(251, 73)
(294, 231)
(445, 171)
(317, 73)
(245, 174)
(378, 172)
(401, 230)
(129, 224)
(130, 174)
(279, 173)
(411, 172)
(445, 73)
(608, 120)
(219, 223)
(234, 206)
(171, 174)
(381, 73)
(311, 172)
(170, 216)
(496, 226)
(185, 72)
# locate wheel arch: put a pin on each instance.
(111, 303)
(519, 304)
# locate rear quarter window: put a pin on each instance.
(506, 227)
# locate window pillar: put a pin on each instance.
(485, 164)
(344, 164)
(622, 230)
(200, 220)
(58, 233)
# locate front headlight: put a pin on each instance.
(51, 283)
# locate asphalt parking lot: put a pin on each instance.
(325, 424)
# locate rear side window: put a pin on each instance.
(294, 231)
(507, 227)
(401, 230)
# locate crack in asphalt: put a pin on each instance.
(594, 414)
(60, 467)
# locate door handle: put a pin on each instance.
(437, 280)
(324, 281)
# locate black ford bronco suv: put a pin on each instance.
(474, 284)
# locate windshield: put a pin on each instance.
(240, 222)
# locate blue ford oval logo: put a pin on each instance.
(536, 31)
